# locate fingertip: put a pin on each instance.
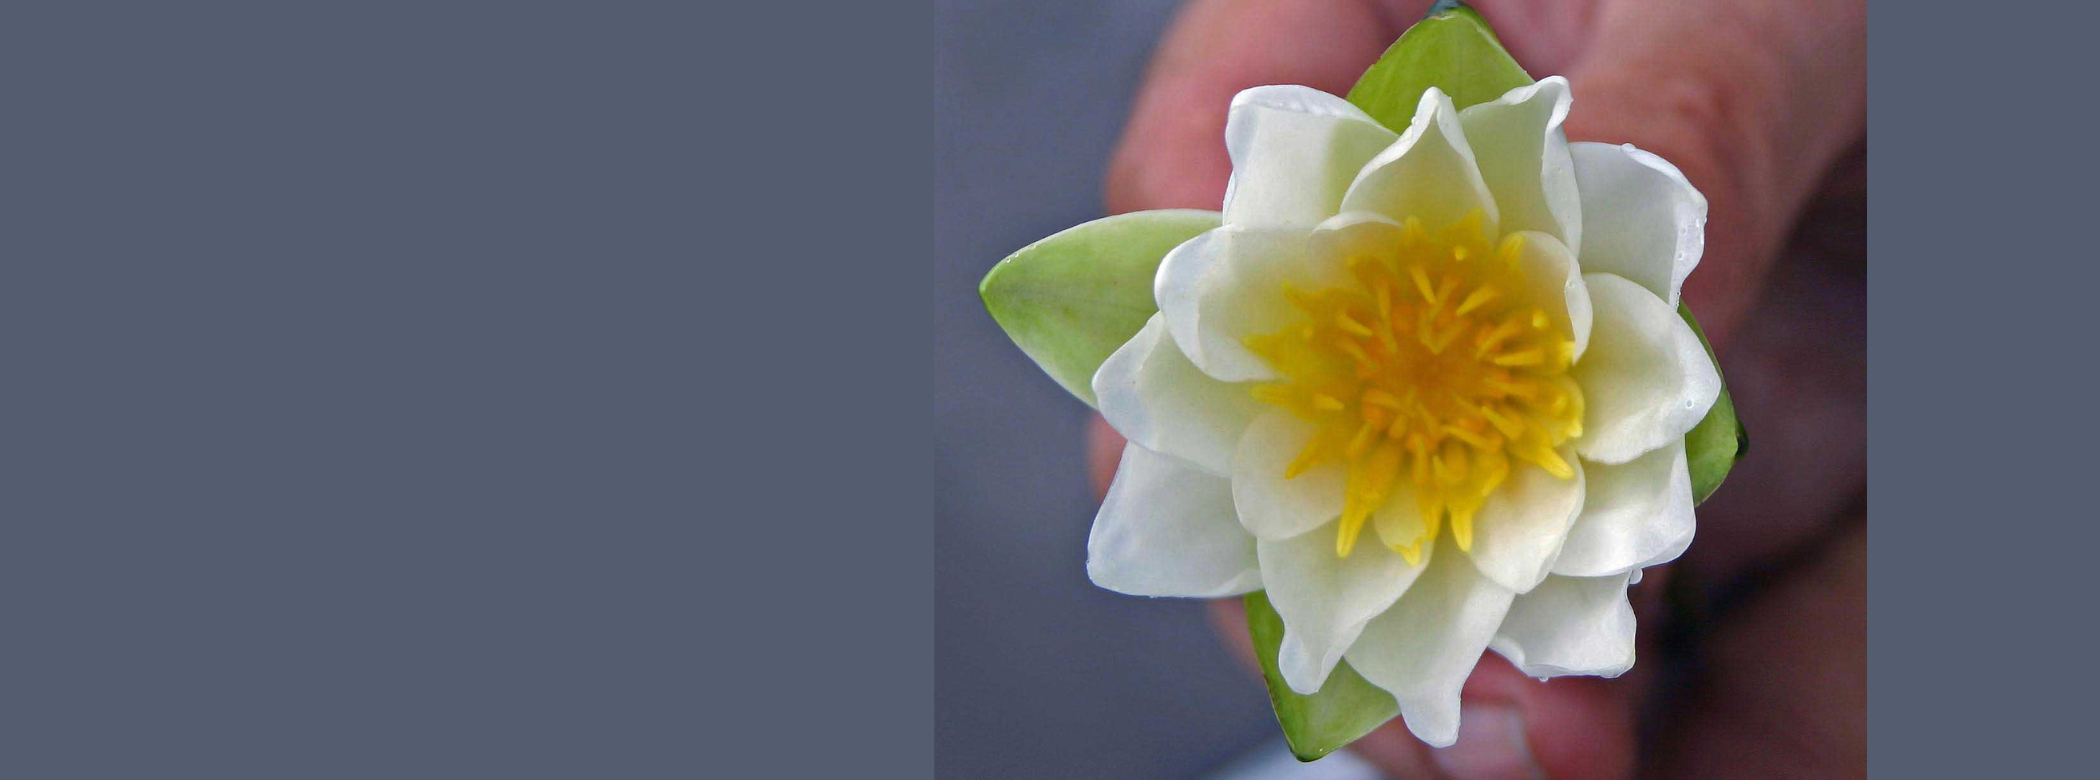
(1172, 162)
(1512, 726)
(1574, 728)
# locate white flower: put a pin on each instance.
(1430, 391)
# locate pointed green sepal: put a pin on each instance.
(1070, 300)
(1346, 707)
(1718, 441)
(1451, 49)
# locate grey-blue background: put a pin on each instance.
(438, 389)
(1042, 675)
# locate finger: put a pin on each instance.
(1172, 154)
(1544, 36)
(1752, 101)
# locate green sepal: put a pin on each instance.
(1070, 300)
(1451, 49)
(1346, 707)
(1714, 445)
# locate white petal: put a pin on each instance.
(1422, 649)
(1569, 625)
(1636, 514)
(1429, 173)
(1554, 277)
(1519, 531)
(1645, 380)
(1271, 507)
(1294, 151)
(1154, 396)
(1523, 157)
(1226, 284)
(1325, 601)
(1166, 529)
(1641, 219)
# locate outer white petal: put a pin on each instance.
(1227, 283)
(1645, 380)
(1641, 219)
(1519, 531)
(1154, 396)
(1325, 601)
(1423, 648)
(1429, 173)
(1553, 275)
(1166, 529)
(1569, 625)
(1523, 157)
(1271, 507)
(1294, 151)
(1637, 514)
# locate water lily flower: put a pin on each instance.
(1428, 389)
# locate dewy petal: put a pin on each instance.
(1154, 396)
(1553, 275)
(1641, 219)
(1324, 600)
(1523, 156)
(1221, 286)
(1636, 514)
(1519, 530)
(1646, 379)
(1569, 625)
(1294, 152)
(1167, 529)
(1269, 506)
(1429, 173)
(1422, 649)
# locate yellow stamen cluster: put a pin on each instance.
(1436, 367)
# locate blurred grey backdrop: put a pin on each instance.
(1039, 673)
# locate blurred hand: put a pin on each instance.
(1763, 106)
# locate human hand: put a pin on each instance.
(1754, 102)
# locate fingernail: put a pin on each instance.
(1490, 746)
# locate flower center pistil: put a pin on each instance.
(1436, 368)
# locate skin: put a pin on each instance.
(1763, 106)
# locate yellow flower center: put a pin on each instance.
(1437, 367)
